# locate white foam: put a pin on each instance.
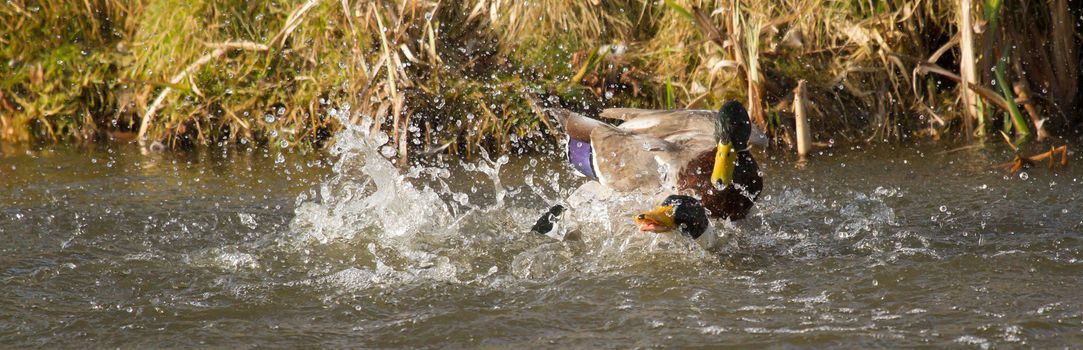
(972, 340)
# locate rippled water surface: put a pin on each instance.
(889, 246)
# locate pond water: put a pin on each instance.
(885, 246)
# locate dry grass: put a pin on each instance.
(466, 74)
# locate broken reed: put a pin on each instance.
(456, 76)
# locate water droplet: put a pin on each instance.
(1023, 176)
(269, 118)
(943, 209)
(381, 138)
(388, 151)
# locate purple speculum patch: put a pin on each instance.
(580, 155)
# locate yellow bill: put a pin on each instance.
(658, 220)
(724, 163)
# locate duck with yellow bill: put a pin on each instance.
(697, 153)
(677, 213)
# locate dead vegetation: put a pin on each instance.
(458, 76)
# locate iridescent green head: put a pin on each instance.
(733, 129)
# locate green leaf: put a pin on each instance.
(1021, 128)
(670, 103)
(681, 10)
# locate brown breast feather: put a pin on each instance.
(729, 203)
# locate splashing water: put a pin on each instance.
(412, 231)
(376, 200)
(367, 203)
(227, 250)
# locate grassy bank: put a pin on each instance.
(471, 74)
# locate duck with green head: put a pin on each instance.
(698, 153)
(677, 213)
(735, 181)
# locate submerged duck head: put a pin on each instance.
(733, 129)
(677, 212)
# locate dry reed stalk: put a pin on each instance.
(1022, 90)
(968, 70)
(390, 69)
(746, 35)
(1065, 59)
(742, 42)
(800, 109)
(292, 22)
(989, 95)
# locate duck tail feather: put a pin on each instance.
(576, 125)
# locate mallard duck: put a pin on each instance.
(699, 153)
(679, 213)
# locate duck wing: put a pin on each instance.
(689, 128)
(577, 129)
(628, 114)
(576, 126)
(645, 153)
(676, 125)
(627, 161)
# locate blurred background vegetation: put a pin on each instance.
(461, 75)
